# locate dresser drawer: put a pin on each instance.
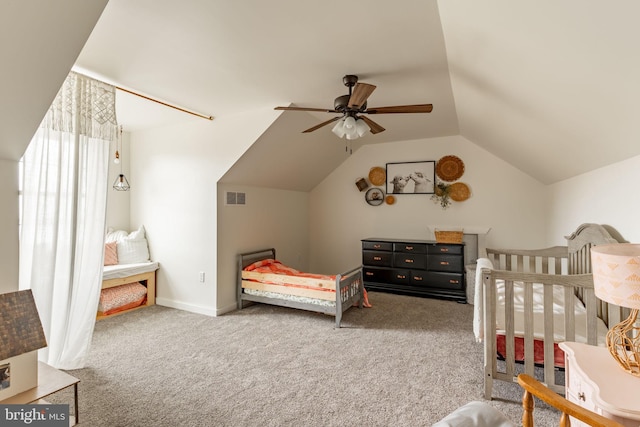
(407, 260)
(445, 280)
(419, 278)
(451, 263)
(378, 246)
(377, 258)
(400, 277)
(445, 249)
(416, 248)
(376, 275)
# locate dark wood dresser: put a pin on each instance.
(414, 267)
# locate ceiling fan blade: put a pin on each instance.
(375, 128)
(419, 108)
(360, 93)
(321, 125)
(324, 110)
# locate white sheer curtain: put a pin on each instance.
(64, 208)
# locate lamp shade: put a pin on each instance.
(616, 273)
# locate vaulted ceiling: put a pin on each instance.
(548, 86)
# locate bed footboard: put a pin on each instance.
(349, 291)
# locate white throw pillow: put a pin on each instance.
(132, 247)
(114, 235)
(475, 414)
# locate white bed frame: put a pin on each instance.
(568, 266)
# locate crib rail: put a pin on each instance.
(569, 283)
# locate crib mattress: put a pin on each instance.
(119, 271)
(538, 323)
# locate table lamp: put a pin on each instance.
(616, 279)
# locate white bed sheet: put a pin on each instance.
(119, 271)
(538, 312)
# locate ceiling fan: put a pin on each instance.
(353, 109)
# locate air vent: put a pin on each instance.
(234, 198)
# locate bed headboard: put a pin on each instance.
(580, 242)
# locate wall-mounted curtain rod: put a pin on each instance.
(164, 103)
(148, 98)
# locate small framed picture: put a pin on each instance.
(411, 177)
(5, 376)
(374, 196)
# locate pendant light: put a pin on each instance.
(121, 183)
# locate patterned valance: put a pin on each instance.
(84, 106)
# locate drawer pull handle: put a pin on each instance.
(444, 249)
(408, 261)
(453, 282)
(417, 278)
(377, 258)
(368, 273)
(581, 396)
(377, 246)
(409, 248)
(444, 263)
(401, 276)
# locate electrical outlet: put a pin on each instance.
(202, 277)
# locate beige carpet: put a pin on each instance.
(407, 361)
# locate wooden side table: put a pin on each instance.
(50, 381)
(595, 381)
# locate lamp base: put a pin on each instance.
(623, 341)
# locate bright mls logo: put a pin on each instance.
(34, 415)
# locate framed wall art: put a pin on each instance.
(411, 177)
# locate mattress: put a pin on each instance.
(271, 278)
(538, 322)
(119, 271)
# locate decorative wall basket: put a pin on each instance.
(449, 168)
(459, 192)
(377, 175)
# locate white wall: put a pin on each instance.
(270, 218)
(608, 195)
(503, 198)
(174, 195)
(9, 225)
(118, 202)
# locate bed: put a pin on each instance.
(263, 279)
(129, 276)
(536, 299)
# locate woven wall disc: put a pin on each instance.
(459, 191)
(377, 175)
(449, 168)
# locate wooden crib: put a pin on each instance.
(536, 298)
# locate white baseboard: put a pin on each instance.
(208, 311)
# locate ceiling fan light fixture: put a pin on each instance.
(349, 123)
(338, 129)
(361, 127)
